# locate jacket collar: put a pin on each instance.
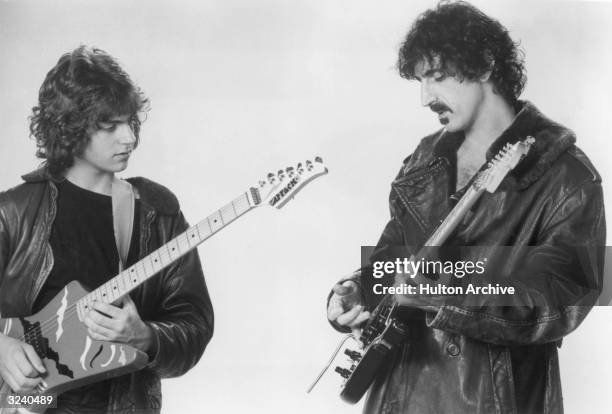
(39, 175)
(551, 140)
(158, 197)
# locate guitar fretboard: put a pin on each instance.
(454, 217)
(138, 273)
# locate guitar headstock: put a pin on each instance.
(503, 162)
(279, 188)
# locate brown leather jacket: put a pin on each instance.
(175, 303)
(496, 359)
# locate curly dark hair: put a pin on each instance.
(86, 87)
(464, 42)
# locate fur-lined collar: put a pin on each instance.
(551, 140)
(158, 197)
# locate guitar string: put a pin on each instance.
(72, 308)
(180, 240)
(51, 323)
(471, 193)
(442, 228)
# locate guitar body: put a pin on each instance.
(74, 359)
(383, 333)
(71, 357)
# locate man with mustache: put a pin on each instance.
(62, 224)
(498, 357)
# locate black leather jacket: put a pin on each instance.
(497, 359)
(175, 303)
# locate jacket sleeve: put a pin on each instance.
(4, 245)
(183, 324)
(555, 286)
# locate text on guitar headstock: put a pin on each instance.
(278, 189)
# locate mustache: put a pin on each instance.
(439, 107)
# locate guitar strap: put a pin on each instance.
(123, 217)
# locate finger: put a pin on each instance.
(360, 319)
(9, 379)
(341, 290)
(22, 383)
(356, 332)
(23, 365)
(335, 308)
(128, 301)
(105, 308)
(34, 359)
(101, 332)
(346, 288)
(97, 336)
(27, 384)
(99, 319)
(348, 317)
(129, 307)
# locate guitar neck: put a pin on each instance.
(135, 275)
(453, 219)
(442, 233)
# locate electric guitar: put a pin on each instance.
(384, 330)
(58, 334)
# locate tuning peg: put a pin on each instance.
(271, 178)
(281, 175)
(308, 165)
(262, 183)
(290, 172)
(318, 159)
(300, 168)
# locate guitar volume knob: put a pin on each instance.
(354, 355)
(344, 373)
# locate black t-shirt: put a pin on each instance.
(84, 249)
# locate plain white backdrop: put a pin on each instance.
(239, 88)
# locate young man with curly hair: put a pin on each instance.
(60, 226)
(497, 357)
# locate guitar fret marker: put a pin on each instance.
(128, 279)
(186, 241)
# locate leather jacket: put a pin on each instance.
(490, 358)
(174, 303)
